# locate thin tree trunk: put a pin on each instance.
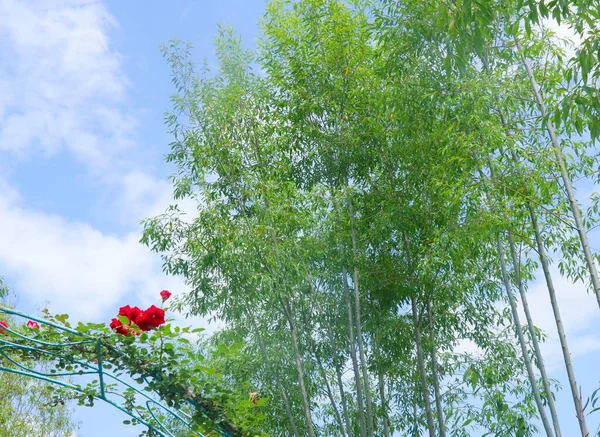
(534, 340)
(416, 417)
(359, 398)
(422, 371)
(361, 349)
(530, 325)
(419, 343)
(288, 410)
(336, 411)
(352, 342)
(516, 320)
(559, 326)
(525, 352)
(338, 372)
(565, 177)
(436, 378)
(298, 359)
(286, 402)
(336, 364)
(555, 309)
(288, 314)
(384, 406)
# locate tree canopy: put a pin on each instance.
(376, 186)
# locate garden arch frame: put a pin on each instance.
(14, 342)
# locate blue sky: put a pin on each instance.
(83, 89)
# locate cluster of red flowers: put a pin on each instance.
(146, 320)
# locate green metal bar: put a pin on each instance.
(157, 420)
(35, 371)
(100, 370)
(7, 310)
(45, 343)
(130, 414)
(95, 370)
(78, 389)
(41, 377)
(40, 346)
(168, 411)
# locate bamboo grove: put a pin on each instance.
(377, 186)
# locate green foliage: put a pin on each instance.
(162, 366)
(274, 161)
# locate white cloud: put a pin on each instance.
(62, 85)
(77, 269)
(72, 265)
(143, 196)
(579, 314)
(63, 88)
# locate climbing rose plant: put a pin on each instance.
(144, 346)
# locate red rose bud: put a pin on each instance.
(165, 294)
(33, 325)
(3, 326)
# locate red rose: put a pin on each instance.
(119, 327)
(153, 317)
(3, 326)
(143, 323)
(33, 325)
(131, 313)
(165, 294)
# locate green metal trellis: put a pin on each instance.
(15, 341)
